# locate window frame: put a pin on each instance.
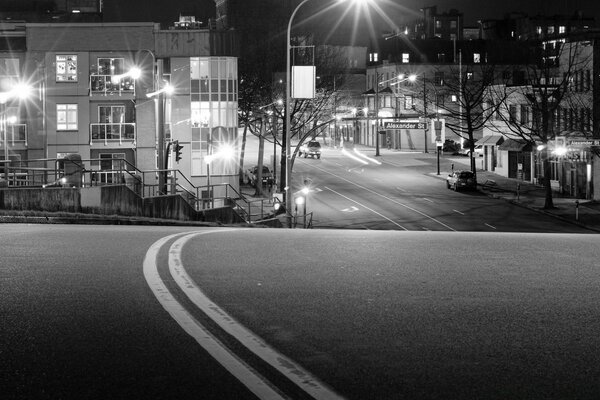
(62, 61)
(70, 109)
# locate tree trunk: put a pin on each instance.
(242, 153)
(548, 203)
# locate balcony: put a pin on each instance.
(16, 134)
(111, 84)
(111, 134)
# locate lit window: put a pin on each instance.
(476, 58)
(405, 58)
(538, 30)
(66, 68)
(562, 29)
(550, 30)
(454, 98)
(66, 117)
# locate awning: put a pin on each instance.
(369, 92)
(491, 140)
(515, 145)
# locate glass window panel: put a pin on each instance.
(195, 68)
(66, 68)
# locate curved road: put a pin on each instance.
(123, 312)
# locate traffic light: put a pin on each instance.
(178, 149)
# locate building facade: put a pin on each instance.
(98, 94)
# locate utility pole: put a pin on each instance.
(376, 112)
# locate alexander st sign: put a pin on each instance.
(403, 125)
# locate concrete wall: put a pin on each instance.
(50, 199)
(111, 200)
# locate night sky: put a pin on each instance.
(167, 11)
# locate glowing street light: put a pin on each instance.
(288, 158)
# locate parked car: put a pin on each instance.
(461, 180)
(251, 175)
(477, 152)
(312, 148)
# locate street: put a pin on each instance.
(402, 191)
(123, 312)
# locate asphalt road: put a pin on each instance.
(402, 191)
(366, 314)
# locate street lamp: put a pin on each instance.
(288, 198)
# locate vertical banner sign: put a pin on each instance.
(303, 82)
(438, 131)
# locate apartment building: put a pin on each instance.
(98, 94)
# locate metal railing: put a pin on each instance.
(111, 84)
(15, 133)
(90, 172)
(111, 132)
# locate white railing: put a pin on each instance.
(111, 84)
(105, 133)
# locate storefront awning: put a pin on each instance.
(491, 140)
(515, 145)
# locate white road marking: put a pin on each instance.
(246, 375)
(295, 373)
(426, 199)
(493, 227)
(400, 189)
(456, 211)
(370, 209)
(385, 197)
(350, 209)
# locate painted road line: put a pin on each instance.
(458, 212)
(246, 375)
(491, 226)
(370, 209)
(426, 199)
(387, 198)
(287, 367)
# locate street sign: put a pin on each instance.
(404, 125)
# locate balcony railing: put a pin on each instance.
(15, 134)
(111, 133)
(111, 84)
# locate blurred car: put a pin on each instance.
(312, 148)
(251, 175)
(450, 146)
(461, 180)
(477, 151)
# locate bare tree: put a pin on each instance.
(460, 98)
(547, 103)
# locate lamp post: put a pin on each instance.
(287, 136)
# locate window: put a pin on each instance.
(111, 66)
(66, 68)
(439, 79)
(66, 117)
(441, 57)
(453, 24)
(562, 29)
(9, 67)
(373, 57)
(476, 58)
(550, 30)
(438, 24)
(512, 113)
(405, 58)
(408, 102)
(469, 75)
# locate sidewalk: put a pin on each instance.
(577, 211)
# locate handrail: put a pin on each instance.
(199, 197)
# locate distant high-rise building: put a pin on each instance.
(52, 10)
